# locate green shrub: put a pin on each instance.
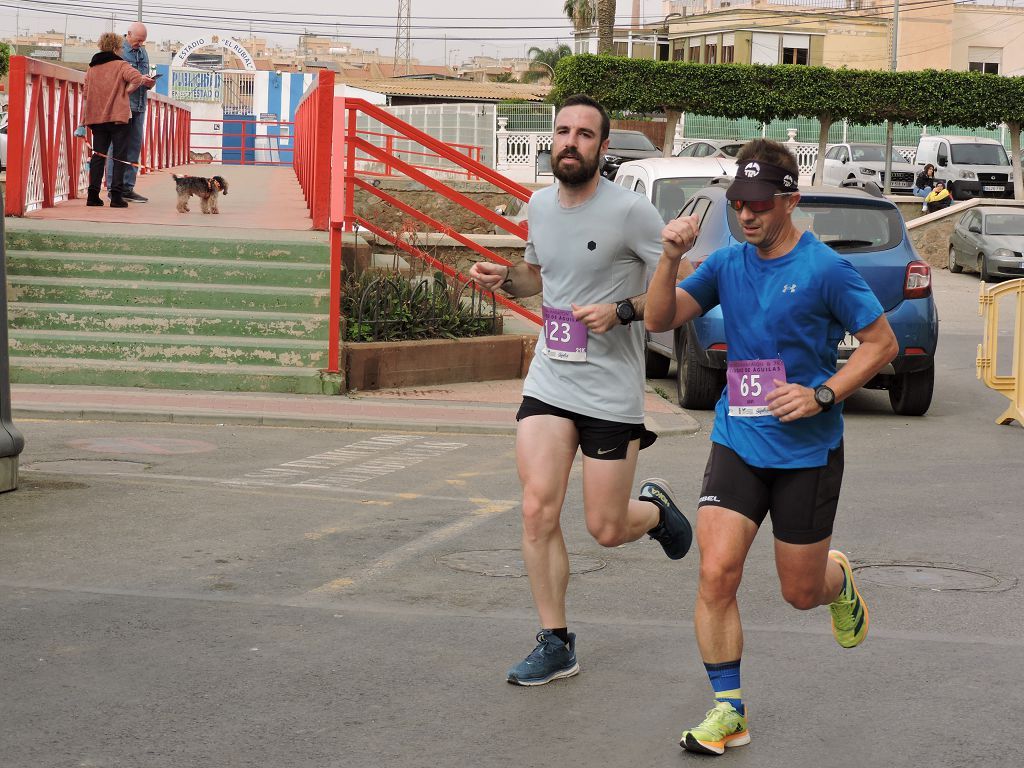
(389, 306)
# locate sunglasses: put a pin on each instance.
(757, 206)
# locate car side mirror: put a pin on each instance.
(845, 160)
(976, 228)
(942, 162)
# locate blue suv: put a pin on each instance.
(868, 231)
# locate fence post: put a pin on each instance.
(502, 148)
(16, 152)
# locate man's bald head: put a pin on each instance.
(136, 34)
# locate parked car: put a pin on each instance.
(865, 228)
(626, 145)
(972, 166)
(711, 148)
(668, 182)
(866, 162)
(989, 241)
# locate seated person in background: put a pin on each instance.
(938, 198)
(924, 182)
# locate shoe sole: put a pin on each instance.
(573, 670)
(691, 744)
(842, 559)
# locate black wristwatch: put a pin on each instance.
(625, 311)
(824, 397)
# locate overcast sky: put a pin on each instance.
(472, 27)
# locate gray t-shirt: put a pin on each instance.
(594, 253)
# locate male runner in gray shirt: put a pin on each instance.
(590, 245)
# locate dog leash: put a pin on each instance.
(140, 166)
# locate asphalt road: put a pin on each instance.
(226, 596)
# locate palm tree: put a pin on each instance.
(583, 13)
(605, 26)
(543, 62)
(580, 13)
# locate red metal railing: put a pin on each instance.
(349, 150)
(45, 162)
(312, 159)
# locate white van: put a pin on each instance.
(970, 165)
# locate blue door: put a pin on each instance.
(239, 139)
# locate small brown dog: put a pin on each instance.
(207, 190)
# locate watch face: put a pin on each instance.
(624, 310)
(824, 395)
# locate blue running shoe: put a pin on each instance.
(550, 660)
(674, 532)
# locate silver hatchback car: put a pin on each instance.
(989, 241)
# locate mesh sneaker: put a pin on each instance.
(849, 611)
(550, 660)
(673, 532)
(723, 727)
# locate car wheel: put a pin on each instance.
(953, 266)
(698, 387)
(656, 365)
(910, 394)
(983, 269)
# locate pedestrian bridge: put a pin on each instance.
(144, 294)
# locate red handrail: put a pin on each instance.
(312, 157)
(46, 163)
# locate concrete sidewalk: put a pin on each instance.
(487, 407)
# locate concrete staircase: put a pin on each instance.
(178, 313)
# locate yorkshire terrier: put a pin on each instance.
(207, 190)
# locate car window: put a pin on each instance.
(832, 154)
(1004, 224)
(979, 154)
(975, 219)
(630, 141)
(641, 188)
(965, 220)
(626, 181)
(704, 150)
(942, 156)
(670, 195)
(730, 150)
(688, 151)
(842, 155)
(850, 226)
(700, 209)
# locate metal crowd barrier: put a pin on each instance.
(988, 351)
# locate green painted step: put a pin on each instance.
(112, 267)
(140, 347)
(172, 247)
(167, 320)
(117, 373)
(54, 290)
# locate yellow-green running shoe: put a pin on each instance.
(849, 611)
(723, 727)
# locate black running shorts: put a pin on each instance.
(599, 439)
(802, 502)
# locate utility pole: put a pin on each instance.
(403, 27)
(140, 11)
(887, 186)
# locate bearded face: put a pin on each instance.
(572, 168)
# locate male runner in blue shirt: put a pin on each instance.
(777, 442)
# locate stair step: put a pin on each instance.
(117, 373)
(311, 252)
(50, 290)
(141, 347)
(160, 268)
(167, 320)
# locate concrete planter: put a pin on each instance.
(388, 364)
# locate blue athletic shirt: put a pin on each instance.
(796, 307)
